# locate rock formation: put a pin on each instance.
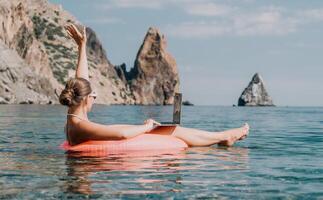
(187, 103)
(255, 94)
(154, 78)
(33, 30)
(19, 83)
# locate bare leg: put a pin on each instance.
(198, 138)
(195, 137)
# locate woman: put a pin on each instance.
(79, 98)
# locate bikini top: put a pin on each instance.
(65, 128)
(81, 118)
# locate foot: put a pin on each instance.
(246, 129)
(235, 135)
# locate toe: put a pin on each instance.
(246, 127)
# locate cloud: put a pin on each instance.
(201, 29)
(209, 18)
(312, 14)
(193, 7)
(106, 20)
(149, 4)
(266, 21)
(207, 9)
(263, 23)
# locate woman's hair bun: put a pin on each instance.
(66, 97)
(75, 90)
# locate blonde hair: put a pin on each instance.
(75, 90)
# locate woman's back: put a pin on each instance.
(73, 135)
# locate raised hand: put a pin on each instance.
(82, 69)
(73, 32)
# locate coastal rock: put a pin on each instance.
(122, 72)
(255, 94)
(19, 83)
(154, 78)
(187, 103)
(34, 30)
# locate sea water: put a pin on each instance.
(281, 159)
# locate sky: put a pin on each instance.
(220, 44)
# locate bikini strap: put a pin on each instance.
(73, 115)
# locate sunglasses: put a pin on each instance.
(93, 94)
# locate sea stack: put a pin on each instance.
(255, 94)
(154, 78)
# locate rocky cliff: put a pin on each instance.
(20, 83)
(32, 30)
(154, 78)
(255, 94)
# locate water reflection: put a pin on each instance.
(112, 174)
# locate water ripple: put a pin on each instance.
(280, 159)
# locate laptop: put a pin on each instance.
(177, 106)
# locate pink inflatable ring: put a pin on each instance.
(143, 142)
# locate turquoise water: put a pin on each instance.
(282, 157)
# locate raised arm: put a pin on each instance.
(82, 69)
